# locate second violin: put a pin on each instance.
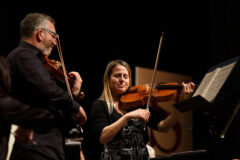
(137, 95)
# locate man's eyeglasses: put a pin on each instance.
(54, 34)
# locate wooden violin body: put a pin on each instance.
(138, 95)
(55, 68)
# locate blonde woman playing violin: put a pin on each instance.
(120, 134)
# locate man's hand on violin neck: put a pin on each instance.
(76, 88)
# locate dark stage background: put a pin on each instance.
(198, 35)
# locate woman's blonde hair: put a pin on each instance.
(106, 94)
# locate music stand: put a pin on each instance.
(73, 150)
(187, 155)
(220, 78)
(190, 155)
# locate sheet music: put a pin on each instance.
(213, 81)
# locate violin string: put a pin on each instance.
(154, 71)
(63, 66)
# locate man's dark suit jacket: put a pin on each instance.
(34, 85)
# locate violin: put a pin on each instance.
(138, 95)
(55, 68)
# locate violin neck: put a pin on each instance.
(160, 86)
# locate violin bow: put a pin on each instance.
(63, 66)
(154, 71)
(65, 73)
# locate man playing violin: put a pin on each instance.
(119, 134)
(33, 84)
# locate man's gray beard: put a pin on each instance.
(46, 53)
